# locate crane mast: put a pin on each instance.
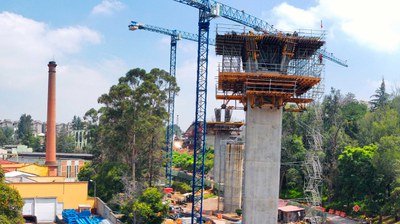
(200, 116)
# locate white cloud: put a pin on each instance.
(26, 48)
(70, 39)
(26, 45)
(292, 18)
(108, 7)
(372, 24)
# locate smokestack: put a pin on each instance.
(51, 162)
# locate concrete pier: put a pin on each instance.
(233, 177)
(262, 165)
(219, 155)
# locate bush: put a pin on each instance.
(206, 196)
(238, 212)
(181, 187)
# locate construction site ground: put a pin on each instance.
(210, 208)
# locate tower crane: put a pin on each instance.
(175, 35)
(209, 9)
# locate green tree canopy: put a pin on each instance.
(108, 177)
(132, 122)
(24, 132)
(65, 142)
(77, 123)
(356, 180)
(380, 98)
(149, 208)
(11, 203)
(6, 136)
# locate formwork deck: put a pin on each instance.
(270, 82)
(271, 89)
(235, 44)
(224, 126)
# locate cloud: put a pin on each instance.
(108, 7)
(71, 39)
(26, 45)
(367, 22)
(291, 18)
(26, 48)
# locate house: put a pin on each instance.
(47, 197)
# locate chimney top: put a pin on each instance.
(52, 63)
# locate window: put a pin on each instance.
(68, 171)
(76, 168)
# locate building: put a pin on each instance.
(47, 197)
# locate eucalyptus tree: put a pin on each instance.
(132, 121)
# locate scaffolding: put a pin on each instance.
(272, 70)
(313, 177)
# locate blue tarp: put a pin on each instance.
(70, 216)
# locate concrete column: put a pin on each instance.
(219, 156)
(262, 165)
(51, 121)
(233, 177)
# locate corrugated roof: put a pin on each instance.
(6, 162)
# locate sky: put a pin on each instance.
(93, 47)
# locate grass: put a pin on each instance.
(210, 195)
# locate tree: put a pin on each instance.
(6, 136)
(65, 142)
(380, 98)
(91, 119)
(353, 111)
(393, 205)
(108, 177)
(386, 162)
(356, 181)
(377, 124)
(149, 208)
(177, 131)
(77, 123)
(24, 132)
(293, 152)
(35, 143)
(334, 135)
(11, 203)
(132, 121)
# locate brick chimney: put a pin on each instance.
(51, 161)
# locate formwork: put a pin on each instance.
(269, 69)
